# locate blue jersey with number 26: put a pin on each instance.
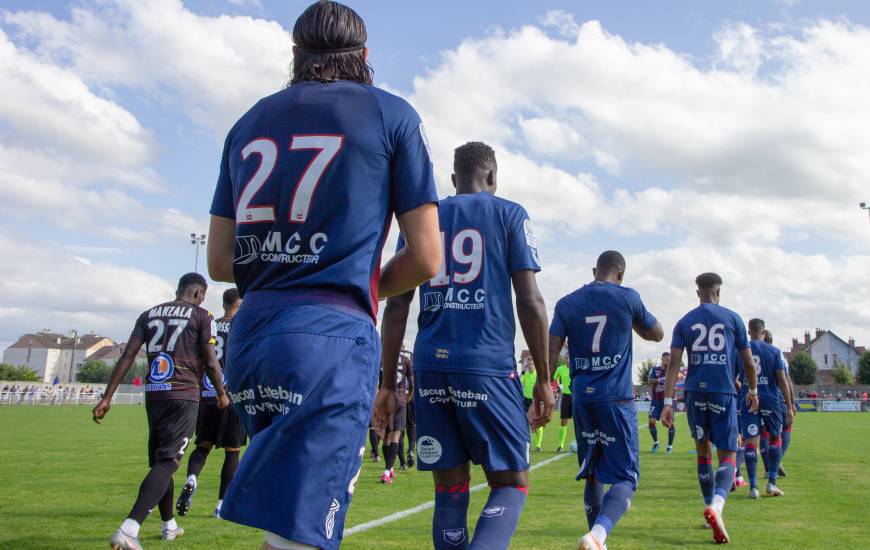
(312, 175)
(714, 337)
(597, 319)
(466, 321)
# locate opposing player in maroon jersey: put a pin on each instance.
(179, 337)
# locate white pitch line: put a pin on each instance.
(431, 504)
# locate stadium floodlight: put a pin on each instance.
(197, 241)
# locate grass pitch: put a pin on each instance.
(67, 483)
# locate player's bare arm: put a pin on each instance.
(121, 367)
(392, 334)
(221, 248)
(421, 257)
(667, 417)
(782, 380)
(532, 313)
(751, 379)
(653, 334)
(213, 371)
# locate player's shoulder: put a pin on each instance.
(390, 103)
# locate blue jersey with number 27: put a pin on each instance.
(714, 337)
(312, 175)
(597, 319)
(466, 321)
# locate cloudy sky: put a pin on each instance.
(692, 136)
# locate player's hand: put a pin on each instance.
(789, 416)
(667, 416)
(100, 410)
(752, 402)
(386, 405)
(542, 407)
(223, 401)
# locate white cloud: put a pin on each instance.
(212, 68)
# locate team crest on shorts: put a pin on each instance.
(752, 429)
(699, 432)
(162, 368)
(428, 450)
(454, 537)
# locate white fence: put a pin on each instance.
(41, 397)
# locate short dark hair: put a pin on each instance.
(756, 325)
(330, 39)
(231, 296)
(666, 353)
(191, 279)
(708, 280)
(474, 155)
(768, 336)
(610, 260)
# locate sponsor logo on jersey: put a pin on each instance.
(493, 511)
(276, 248)
(330, 518)
(531, 241)
(428, 450)
(162, 368)
(454, 537)
(208, 389)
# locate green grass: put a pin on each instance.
(67, 483)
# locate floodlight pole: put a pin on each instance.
(865, 206)
(196, 241)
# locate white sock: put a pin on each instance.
(219, 504)
(130, 527)
(191, 479)
(599, 533)
(170, 525)
(386, 473)
(718, 503)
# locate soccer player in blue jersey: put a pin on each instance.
(715, 337)
(310, 179)
(656, 381)
(789, 419)
(467, 397)
(598, 319)
(774, 407)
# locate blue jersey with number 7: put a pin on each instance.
(466, 321)
(312, 175)
(598, 319)
(714, 337)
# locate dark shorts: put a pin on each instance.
(171, 423)
(655, 409)
(713, 416)
(400, 419)
(566, 409)
(221, 427)
(303, 380)
(607, 442)
(527, 403)
(769, 416)
(470, 417)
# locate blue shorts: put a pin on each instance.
(607, 442)
(302, 378)
(713, 416)
(770, 415)
(462, 417)
(655, 409)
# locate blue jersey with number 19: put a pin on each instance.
(597, 319)
(312, 175)
(466, 321)
(714, 337)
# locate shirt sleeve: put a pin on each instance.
(557, 326)
(677, 340)
(741, 340)
(780, 363)
(223, 202)
(139, 334)
(522, 244)
(412, 175)
(641, 316)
